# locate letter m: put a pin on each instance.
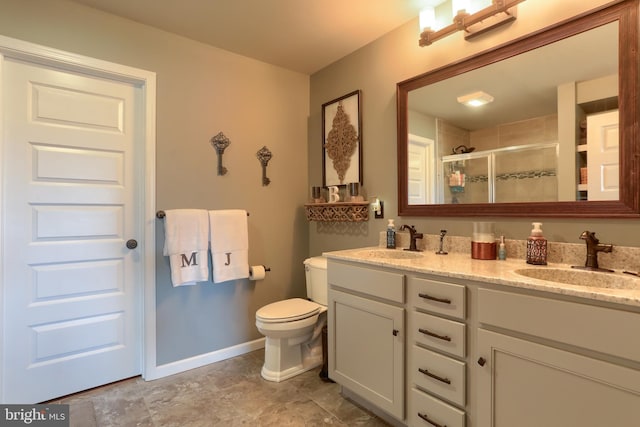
(187, 262)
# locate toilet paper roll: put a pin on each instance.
(256, 272)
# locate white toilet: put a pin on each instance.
(293, 327)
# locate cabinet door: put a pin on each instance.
(526, 384)
(366, 349)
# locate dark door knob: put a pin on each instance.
(481, 361)
(132, 243)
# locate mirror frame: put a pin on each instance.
(628, 206)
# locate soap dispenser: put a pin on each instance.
(391, 235)
(537, 246)
(502, 250)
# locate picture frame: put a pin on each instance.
(342, 140)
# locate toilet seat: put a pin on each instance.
(288, 310)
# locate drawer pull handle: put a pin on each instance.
(481, 361)
(433, 334)
(433, 423)
(434, 376)
(432, 298)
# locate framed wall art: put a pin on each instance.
(342, 140)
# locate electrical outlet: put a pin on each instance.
(381, 214)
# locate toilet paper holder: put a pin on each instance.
(258, 272)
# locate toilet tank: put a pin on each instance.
(316, 275)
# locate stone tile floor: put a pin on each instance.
(227, 393)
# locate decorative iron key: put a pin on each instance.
(220, 143)
(264, 155)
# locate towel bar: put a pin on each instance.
(161, 214)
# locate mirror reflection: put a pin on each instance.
(547, 129)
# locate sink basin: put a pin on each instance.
(582, 278)
(390, 254)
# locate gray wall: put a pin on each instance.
(376, 69)
(201, 91)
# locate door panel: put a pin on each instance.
(72, 288)
(67, 280)
(67, 106)
(72, 164)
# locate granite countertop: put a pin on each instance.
(606, 287)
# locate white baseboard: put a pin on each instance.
(178, 366)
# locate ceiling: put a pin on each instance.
(300, 35)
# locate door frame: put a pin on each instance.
(146, 82)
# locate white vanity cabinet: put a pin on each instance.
(437, 350)
(555, 363)
(366, 334)
(431, 349)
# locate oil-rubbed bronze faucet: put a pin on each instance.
(593, 247)
(414, 235)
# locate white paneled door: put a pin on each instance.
(72, 279)
(603, 158)
(421, 167)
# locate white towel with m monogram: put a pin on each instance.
(186, 243)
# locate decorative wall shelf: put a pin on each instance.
(337, 212)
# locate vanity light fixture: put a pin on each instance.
(498, 13)
(475, 99)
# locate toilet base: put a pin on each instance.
(286, 358)
(277, 376)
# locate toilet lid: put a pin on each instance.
(288, 310)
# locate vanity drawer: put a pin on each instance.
(439, 375)
(370, 281)
(425, 407)
(441, 334)
(605, 330)
(438, 297)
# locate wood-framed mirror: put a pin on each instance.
(465, 175)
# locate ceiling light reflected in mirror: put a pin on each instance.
(475, 99)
